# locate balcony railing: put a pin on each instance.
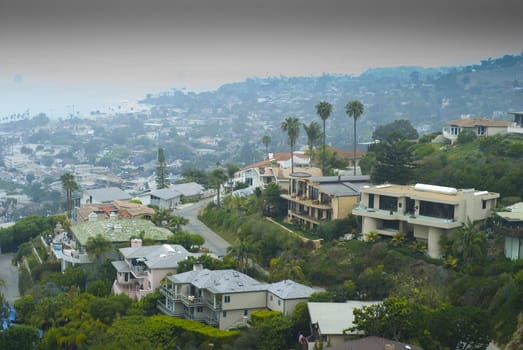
(163, 308)
(406, 216)
(190, 300)
(139, 271)
(315, 203)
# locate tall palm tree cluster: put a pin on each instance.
(69, 185)
(291, 125)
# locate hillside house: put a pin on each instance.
(277, 168)
(424, 212)
(312, 200)
(71, 247)
(143, 267)
(479, 126)
(226, 298)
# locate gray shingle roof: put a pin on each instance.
(166, 193)
(288, 289)
(107, 195)
(339, 189)
(121, 266)
(158, 256)
(219, 281)
(188, 189)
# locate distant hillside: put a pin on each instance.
(426, 96)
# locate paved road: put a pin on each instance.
(213, 241)
(9, 274)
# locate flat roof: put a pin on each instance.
(450, 197)
(119, 230)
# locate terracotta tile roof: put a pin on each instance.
(475, 121)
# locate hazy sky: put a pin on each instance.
(64, 52)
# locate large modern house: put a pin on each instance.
(424, 212)
(143, 267)
(314, 199)
(226, 298)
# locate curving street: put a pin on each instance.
(216, 244)
(9, 274)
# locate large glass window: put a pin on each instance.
(388, 203)
(393, 225)
(436, 210)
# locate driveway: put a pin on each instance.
(9, 274)
(215, 243)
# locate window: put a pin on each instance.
(245, 312)
(454, 130)
(436, 210)
(227, 299)
(371, 200)
(482, 130)
(126, 278)
(484, 204)
(279, 302)
(388, 203)
(270, 298)
(224, 314)
(199, 309)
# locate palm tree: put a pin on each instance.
(323, 109)
(231, 170)
(354, 110)
(291, 126)
(97, 247)
(216, 178)
(313, 131)
(69, 185)
(266, 140)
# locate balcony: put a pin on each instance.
(139, 271)
(313, 203)
(422, 220)
(430, 221)
(164, 309)
(190, 300)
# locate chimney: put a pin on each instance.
(136, 242)
(197, 266)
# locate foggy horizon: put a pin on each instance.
(60, 53)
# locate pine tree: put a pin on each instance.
(394, 163)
